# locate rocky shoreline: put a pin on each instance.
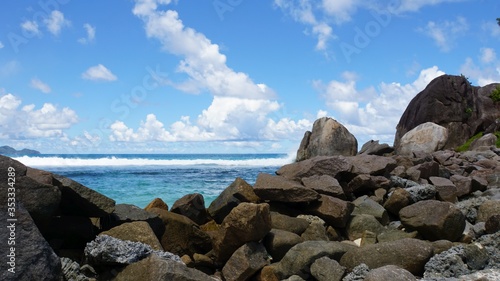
(419, 211)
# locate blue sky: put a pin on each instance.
(226, 76)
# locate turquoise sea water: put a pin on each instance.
(139, 178)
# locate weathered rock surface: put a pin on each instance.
(320, 165)
(327, 269)
(279, 189)
(373, 147)
(245, 262)
(111, 251)
(298, 259)
(191, 206)
(434, 220)
(409, 254)
(292, 224)
(333, 211)
(79, 200)
(237, 192)
(488, 209)
(157, 203)
(389, 272)
(33, 258)
(138, 231)
(328, 138)
(450, 101)
(247, 222)
(182, 236)
(360, 224)
(398, 199)
(367, 206)
(157, 268)
(124, 213)
(424, 138)
(278, 242)
(324, 184)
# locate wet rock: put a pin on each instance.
(409, 254)
(434, 220)
(276, 188)
(245, 262)
(237, 192)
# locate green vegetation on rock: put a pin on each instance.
(466, 145)
(495, 94)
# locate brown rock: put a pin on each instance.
(463, 184)
(361, 223)
(488, 209)
(335, 212)
(315, 232)
(237, 192)
(328, 138)
(191, 206)
(409, 254)
(399, 199)
(321, 165)
(247, 222)
(245, 262)
(372, 164)
(492, 225)
(434, 220)
(182, 236)
(389, 272)
(292, 224)
(138, 231)
(157, 203)
(278, 242)
(276, 188)
(324, 184)
(446, 189)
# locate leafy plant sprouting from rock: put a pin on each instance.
(495, 94)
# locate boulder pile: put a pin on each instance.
(324, 218)
(422, 211)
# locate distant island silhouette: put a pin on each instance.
(10, 151)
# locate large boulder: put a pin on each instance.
(335, 212)
(191, 206)
(138, 231)
(409, 254)
(245, 262)
(451, 102)
(182, 236)
(328, 138)
(427, 138)
(157, 268)
(320, 165)
(299, 258)
(277, 188)
(25, 253)
(434, 220)
(237, 192)
(247, 222)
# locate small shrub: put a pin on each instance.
(495, 94)
(466, 145)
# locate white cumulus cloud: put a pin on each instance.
(29, 122)
(40, 85)
(487, 55)
(202, 60)
(485, 71)
(55, 22)
(99, 73)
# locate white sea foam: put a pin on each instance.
(117, 161)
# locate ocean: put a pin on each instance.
(139, 178)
